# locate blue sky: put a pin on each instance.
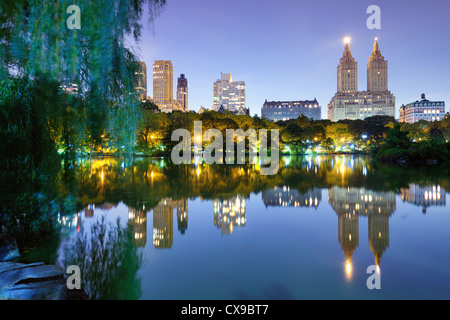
(289, 49)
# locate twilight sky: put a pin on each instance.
(289, 49)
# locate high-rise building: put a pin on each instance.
(377, 71)
(286, 110)
(163, 84)
(422, 110)
(348, 102)
(347, 72)
(182, 92)
(229, 94)
(163, 87)
(141, 87)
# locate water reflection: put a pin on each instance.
(229, 213)
(350, 204)
(287, 197)
(155, 193)
(424, 196)
(163, 221)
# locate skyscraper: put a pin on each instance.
(347, 72)
(182, 92)
(348, 102)
(377, 71)
(141, 88)
(229, 94)
(163, 83)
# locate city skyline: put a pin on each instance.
(276, 67)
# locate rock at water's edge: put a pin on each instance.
(8, 247)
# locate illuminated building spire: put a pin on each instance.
(377, 71)
(376, 50)
(347, 71)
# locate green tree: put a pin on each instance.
(36, 41)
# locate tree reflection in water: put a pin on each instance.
(108, 260)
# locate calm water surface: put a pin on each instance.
(227, 232)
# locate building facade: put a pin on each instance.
(228, 93)
(163, 87)
(286, 110)
(422, 110)
(141, 87)
(182, 92)
(70, 88)
(348, 102)
(162, 83)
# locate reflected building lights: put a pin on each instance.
(287, 197)
(137, 221)
(229, 213)
(424, 196)
(349, 204)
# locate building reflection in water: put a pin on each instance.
(137, 221)
(182, 215)
(424, 197)
(349, 204)
(229, 213)
(287, 197)
(163, 221)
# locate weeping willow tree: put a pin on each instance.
(39, 54)
(36, 42)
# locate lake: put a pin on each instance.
(148, 229)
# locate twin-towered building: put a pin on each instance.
(348, 102)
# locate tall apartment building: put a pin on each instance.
(348, 102)
(163, 84)
(422, 110)
(229, 94)
(163, 87)
(182, 92)
(347, 72)
(141, 88)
